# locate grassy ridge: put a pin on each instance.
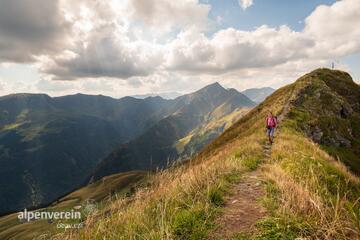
(309, 193)
(327, 110)
(182, 202)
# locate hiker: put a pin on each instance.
(271, 122)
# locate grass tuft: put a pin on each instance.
(190, 224)
(215, 196)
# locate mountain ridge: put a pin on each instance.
(303, 182)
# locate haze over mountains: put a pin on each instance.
(50, 146)
(258, 94)
(165, 95)
(254, 94)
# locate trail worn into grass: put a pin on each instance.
(242, 209)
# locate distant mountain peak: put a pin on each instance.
(214, 88)
(233, 90)
(215, 85)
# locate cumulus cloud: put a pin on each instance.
(30, 27)
(232, 49)
(244, 4)
(164, 44)
(165, 15)
(108, 41)
(329, 33)
(105, 55)
(335, 28)
(103, 45)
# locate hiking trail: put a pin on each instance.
(243, 209)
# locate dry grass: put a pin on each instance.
(316, 188)
(160, 211)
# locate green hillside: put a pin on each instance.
(204, 134)
(328, 111)
(308, 192)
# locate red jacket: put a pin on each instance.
(271, 122)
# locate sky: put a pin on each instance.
(128, 47)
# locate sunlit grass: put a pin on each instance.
(315, 188)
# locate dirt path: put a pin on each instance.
(242, 209)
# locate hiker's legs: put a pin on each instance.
(268, 132)
(271, 135)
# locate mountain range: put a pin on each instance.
(156, 147)
(254, 94)
(48, 145)
(51, 146)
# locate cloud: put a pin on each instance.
(106, 54)
(30, 27)
(219, 20)
(231, 49)
(244, 4)
(329, 33)
(45, 85)
(97, 85)
(165, 15)
(164, 45)
(335, 28)
(2, 85)
(102, 47)
(109, 38)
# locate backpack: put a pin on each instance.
(271, 122)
